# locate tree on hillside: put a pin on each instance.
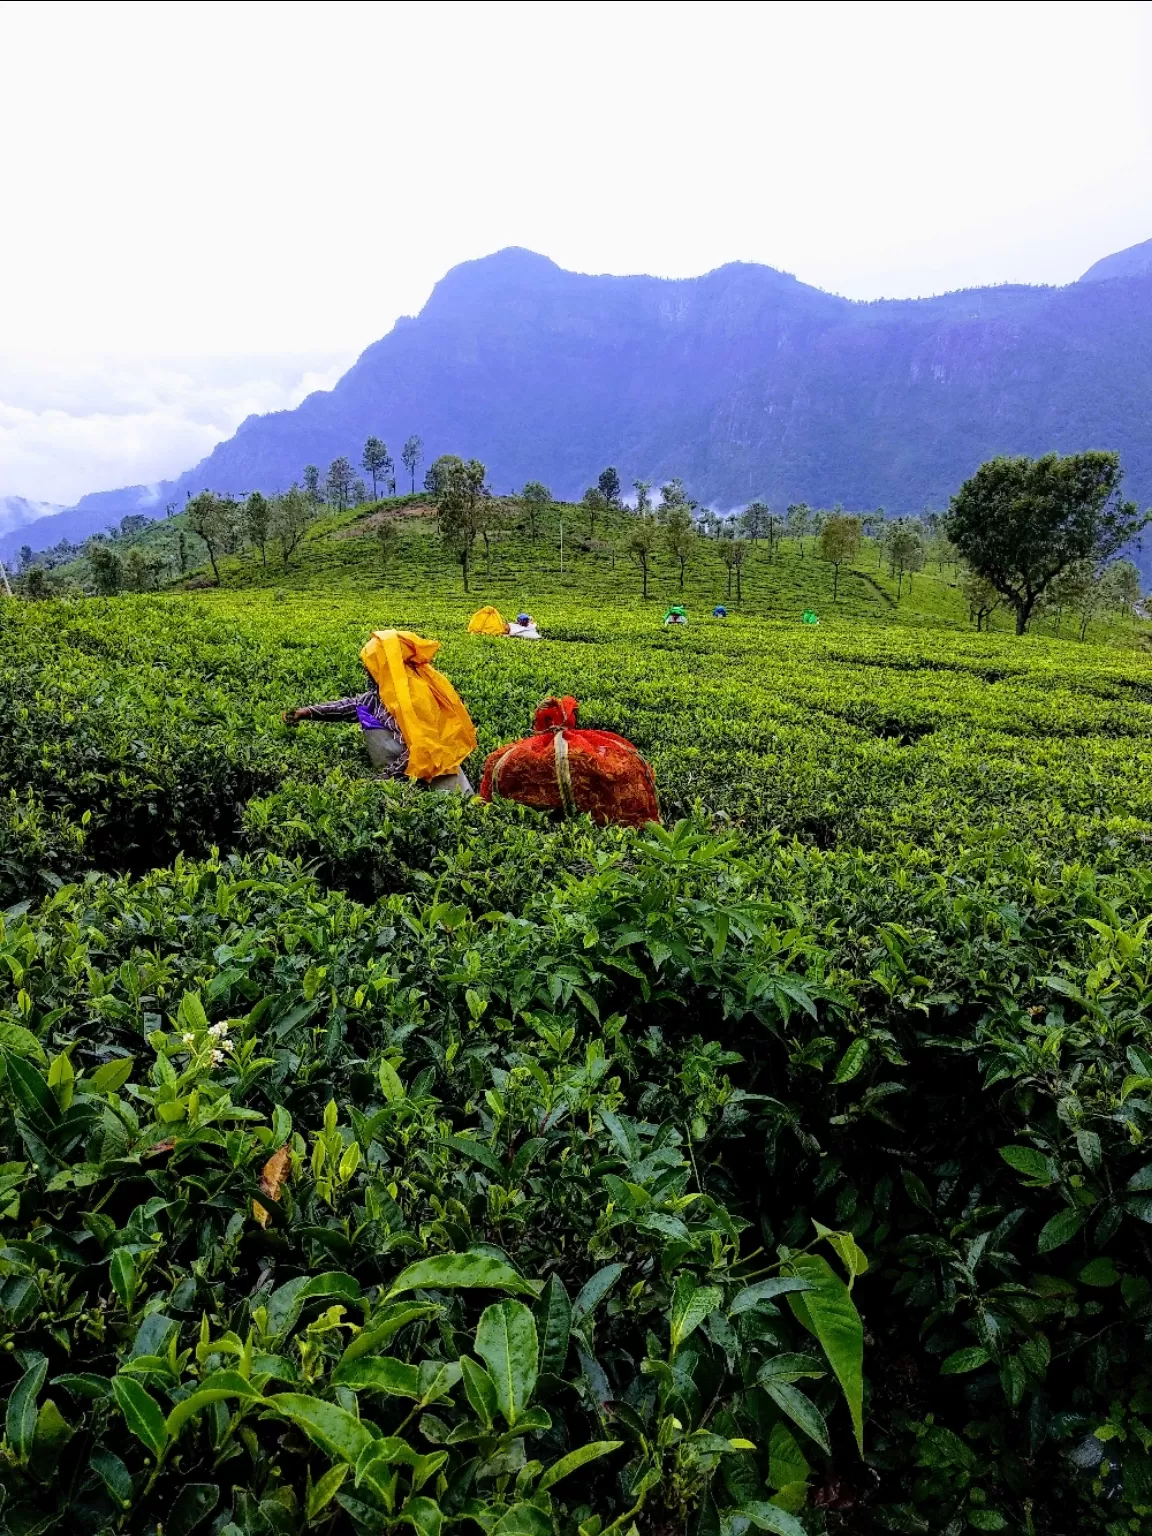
(210, 517)
(35, 583)
(436, 478)
(312, 482)
(387, 538)
(904, 543)
(755, 520)
(798, 520)
(140, 572)
(981, 596)
(291, 514)
(609, 487)
(1020, 521)
(710, 523)
(411, 455)
(734, 552)
(359, 492)
(839, 541)
(462, 509)
(104, 563)
(375, 461)
(535, 497)
(643, 497)
(25, 556)
(641, 542)
(680, 538)
(673, 494)
(339, 483)
(182, 552)
(594, 503)
(257, 520)
(1125, 587)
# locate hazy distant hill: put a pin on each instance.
(16, 511)
(745, 382)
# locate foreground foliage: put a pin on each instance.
(383, 1160)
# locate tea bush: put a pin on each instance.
(376, 1159)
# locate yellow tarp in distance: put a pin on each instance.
(436, 727)
(486, 621)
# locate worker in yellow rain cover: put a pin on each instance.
(414, 723)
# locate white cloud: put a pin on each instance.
(73, 425)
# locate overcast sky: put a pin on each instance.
(211, 208)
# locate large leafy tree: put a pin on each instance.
(680, 538)
(462, 510)
(535, 497)
(375, 461)
(609, 486)
(1020, 522)
(339, 483)
(839, 541)
(411, 454)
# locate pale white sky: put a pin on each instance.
(209, 207)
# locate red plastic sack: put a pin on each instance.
(565, 769)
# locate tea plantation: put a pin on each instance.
(372, 1159)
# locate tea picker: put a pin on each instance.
(414, 723)
(719, 612)
(676, 615)
(524, 628)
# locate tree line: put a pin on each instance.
(1038, 538)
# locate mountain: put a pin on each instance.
(745, 382)
(15, 511)
(1136, 261)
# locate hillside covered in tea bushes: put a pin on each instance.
(370, 1159)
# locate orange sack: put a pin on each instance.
(565, 769)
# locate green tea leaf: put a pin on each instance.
(333, 1429)
(142, 1413)
(769, 1517)
(194, 1503)
(321, 1493)
(122, 1273)
(481, 1391)
(1062, 1228)
(111, 1077)
(507, 1343)
(216, 1388)
(575, 1460)
(764, 1290)
(593, 1292)
(288, 1301)
(553, 1323)
(800, 1409)
(461, 1271)
(20, 1418)
(827, 1310)
(852, 1061)
(691, 1304)
(379, 1373)
(964, 1360)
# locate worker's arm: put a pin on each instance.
(333, 710)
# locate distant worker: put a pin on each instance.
(719, 612)
(415, 725)
(487, 621)
(676, 615)
(524, 628)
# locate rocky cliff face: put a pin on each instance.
(745, 382)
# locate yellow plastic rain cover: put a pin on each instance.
(436, 727)
(486, 621)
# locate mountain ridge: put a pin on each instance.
(745, 381)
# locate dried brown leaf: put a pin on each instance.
(272, 1179)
